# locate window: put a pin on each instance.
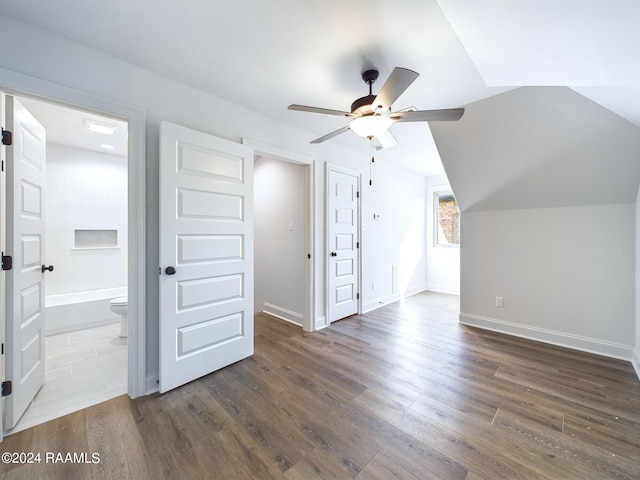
(447, 220)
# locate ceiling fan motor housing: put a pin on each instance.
(362, 106)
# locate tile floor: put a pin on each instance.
(81, 369)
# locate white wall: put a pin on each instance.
(84, 190)
(546, 181)
(396, 239)
(36, 53)
(279, 238)
(565, 275)
(443, 263)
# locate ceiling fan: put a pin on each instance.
(371, 115)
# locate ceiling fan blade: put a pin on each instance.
(386, 139)
(396, 84)
(327, 111)
(331, 135)
(450, 114)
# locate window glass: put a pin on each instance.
(447, 217)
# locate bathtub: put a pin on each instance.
(67, 312)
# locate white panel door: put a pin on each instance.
(343, 229)
(25, 282)
(206, 254)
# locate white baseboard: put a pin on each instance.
(415, 290)
(440, 289)
(153, 384)
(321, 322)
(576, 342)
(381, 302)
(283, 313)
(636, 360)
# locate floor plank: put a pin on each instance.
(403, 392)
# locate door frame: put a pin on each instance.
(261, 149)
(347, 171)
(19, 84)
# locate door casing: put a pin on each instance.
(23, 85)
(265, 150)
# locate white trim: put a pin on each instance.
(266, 150)
(271, 151)
(283, 313)
(19, 84)
(381, 302)
(152, 383)
(321, 322)
(562, 339)
(327, 241)
(636, 360)
(433, 287)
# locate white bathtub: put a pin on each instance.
(68, 312)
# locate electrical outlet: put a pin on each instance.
(499, 301)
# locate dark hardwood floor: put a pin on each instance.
(403, 392)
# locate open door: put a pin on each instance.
(206, 254)
(24, 312)
(3, 248)
(343, 242)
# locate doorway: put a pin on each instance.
(280, 229)
(85, 241)
(298, 224)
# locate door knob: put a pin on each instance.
(170, 270)
(334, 254)
(45, 268)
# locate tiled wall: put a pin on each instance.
(84, 190)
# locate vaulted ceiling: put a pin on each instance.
(267, 55)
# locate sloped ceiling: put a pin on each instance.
(266, 55)
(537, 147)
(590, 46)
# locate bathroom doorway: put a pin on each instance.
(86, 236)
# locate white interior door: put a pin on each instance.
(343, 243)
(206, 254)
(3, 245)
(24, 314)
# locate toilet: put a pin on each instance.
(119, 307)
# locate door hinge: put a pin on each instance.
(357, 296)
(2, 349)
(308, 255)
(6, 388)
(357, 194)
(7, 137)
(7, 262)
(357, 244)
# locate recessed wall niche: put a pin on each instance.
(95, 238)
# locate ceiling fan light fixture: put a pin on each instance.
(370, 126)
